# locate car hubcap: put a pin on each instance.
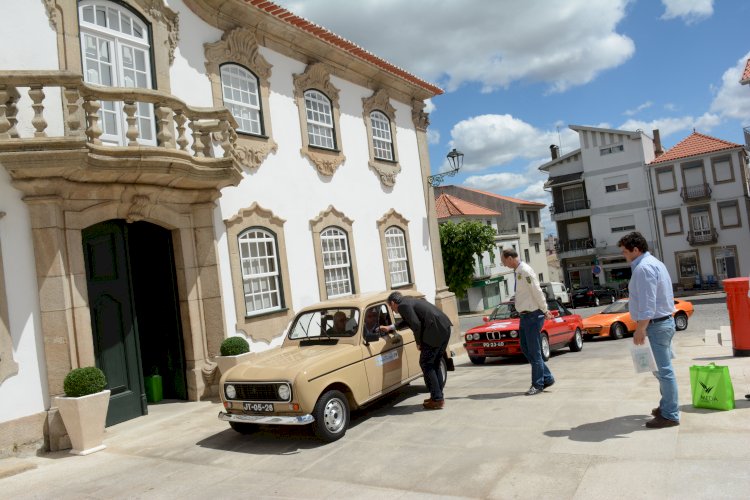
(579, 338)
(681, 323)
(333, 416)
(545, 348)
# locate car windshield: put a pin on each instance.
(504, 311)
(326, 323)
(616, 307)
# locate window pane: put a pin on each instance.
(240, 92)
(259, 271)
(319, 120)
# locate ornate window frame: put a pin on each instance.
(385, 169)
(240, 47)
(317, 77)
(264, 325)
(8, 365)
(327, 218)
(395, 219)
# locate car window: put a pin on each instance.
(325, 323)
(505, 310)
(616, 307)
(376, 316)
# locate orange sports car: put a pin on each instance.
(615, 320)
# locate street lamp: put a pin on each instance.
(456, 161)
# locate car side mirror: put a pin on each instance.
(371, 337)
(485, 319)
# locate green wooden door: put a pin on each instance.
(113, 320)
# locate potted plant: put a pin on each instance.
(84, 409)
(234, 350)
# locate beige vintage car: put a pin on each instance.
(332, 360)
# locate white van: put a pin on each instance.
(556, 290)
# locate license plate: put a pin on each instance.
(493, 344)
(261, 407)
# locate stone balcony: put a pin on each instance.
(51, 127)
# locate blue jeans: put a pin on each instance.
(531, 346)
(660, 337)
(429, 361)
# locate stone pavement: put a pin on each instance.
(583, 438)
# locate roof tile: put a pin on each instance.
(693, 145)
(746, 74)
(447, 206)
(507, 198)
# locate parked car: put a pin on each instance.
(328, 364)
(498, 336)
(615, 321)
(593, 296)
(556, 290)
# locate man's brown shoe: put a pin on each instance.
(659, 422)
(427, 400)
(655, 412)
(434, 405)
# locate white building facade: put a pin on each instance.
(178, 172)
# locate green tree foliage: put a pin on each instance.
(460, 243)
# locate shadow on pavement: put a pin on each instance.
(596, 432)
(495, 395)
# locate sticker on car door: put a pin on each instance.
(386, 358)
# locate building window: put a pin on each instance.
(382, 144)
(536, 247)
(260, 271)
(379, 117)
(687, 265)
(521, 216)
(729, 214)
(398, 257)
(541, 277)
(336, 265)
(618, 183)
(665, 179)
(533, 218)
(240, 93)
(623, 223)
(722, 170)
(526, 254)
(611, 149)
(319, 120)
(672, 222)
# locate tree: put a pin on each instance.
(460, 243)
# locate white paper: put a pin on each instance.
(643, 357)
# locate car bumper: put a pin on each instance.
(266, 419)
(507, 349)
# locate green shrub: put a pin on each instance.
(233, 346)
(84, 381)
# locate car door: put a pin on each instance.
(386, 365)
(556, 327)
(567, 325)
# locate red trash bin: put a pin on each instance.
(738, 304)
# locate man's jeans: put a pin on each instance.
(660, 337)
(429, 361)
(531, 346)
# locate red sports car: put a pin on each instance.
(498, 336)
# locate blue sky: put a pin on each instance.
(518, 72)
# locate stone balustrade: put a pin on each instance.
(179, 126)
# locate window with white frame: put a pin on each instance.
(260, 271)
(617, 183)
(622, 223)
(382, 144)
(241, 97)
(611, 149)
(398, 257)
(319, 120)
(336, 264)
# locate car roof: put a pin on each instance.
(359, 300)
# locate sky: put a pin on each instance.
(517, 73)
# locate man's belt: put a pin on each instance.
(663, 318)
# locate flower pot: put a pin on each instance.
(84, 419)
(227, 362)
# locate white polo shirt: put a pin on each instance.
(529, 295)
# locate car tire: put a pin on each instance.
(443, 371)
(545, 347)
(477, 360)
(680, 321)
(596, 301)
(617, 331)
(576, 343)
(243, 427)
(331, 414)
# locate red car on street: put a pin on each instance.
(498, 336)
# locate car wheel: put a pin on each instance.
(477, 360)
(576, 343)
(331, 416)
(596, 301)
(443, 372)
(618, 331)
(680, 321)
(545, 347)
(243, 428)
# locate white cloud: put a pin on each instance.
(433, 136)
(669, 126)
(690, 11)
(429, 106)
(732, 100)
(562, 43)
(638, 109)
(534, 192)
(496, 182)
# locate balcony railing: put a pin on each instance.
(703, 237)
(574, 245)
(698, 192)
(569, 206)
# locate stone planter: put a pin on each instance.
(227, 362)
(84, 420)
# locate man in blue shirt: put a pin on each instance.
(651, 307)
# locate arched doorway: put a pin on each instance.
(135, 319)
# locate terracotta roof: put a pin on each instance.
(340, 43)
(746, 75)
(447, 206)
(507, 198)
(693, 145)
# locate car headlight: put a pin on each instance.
(513, 334)
(230, 391)
(469, 336)
(284, 392)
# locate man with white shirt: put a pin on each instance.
(531, 304)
